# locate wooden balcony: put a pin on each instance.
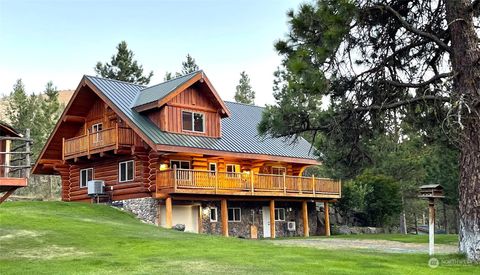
(114, 138)
(182, 181)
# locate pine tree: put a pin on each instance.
(168, 76)
(50, 110)
(244, 92)
(123, 67)
(373, 60)
(188, 66)
(20, 108)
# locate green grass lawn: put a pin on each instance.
(66, 238)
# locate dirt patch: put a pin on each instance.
(44, 253)
(372, 245)
(13, 234)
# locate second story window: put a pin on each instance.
(192, 121)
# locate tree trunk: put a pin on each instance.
(445, 221)
(416, 222)
(465, 59)
(403, 218)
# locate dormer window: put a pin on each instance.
(193, 122)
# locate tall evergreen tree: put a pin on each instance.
(188, 66)
(123, 67)
(50, 110)
(378, 62)
(244, 92)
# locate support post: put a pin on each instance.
(251, 182)
(431, 226)
(306, 227)
(284, 184)
(168, 212)
(175, 176)
(272, 219)
(327, 218)
(27, 155)
(116, 136)
(63, 149)
(313, 185)
(224, 210)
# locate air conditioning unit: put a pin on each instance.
(291, 226)
(96, 187)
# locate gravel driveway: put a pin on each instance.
(372, 245)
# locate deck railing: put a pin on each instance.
(90, 143)
(202, 181)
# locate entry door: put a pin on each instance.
(266, 221)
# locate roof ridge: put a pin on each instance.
(170, 80)
(115, 80)
(245, 104)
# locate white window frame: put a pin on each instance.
(277, 214)
(97, 136)
(126, 169)
(193, 121)
(239, 213)
(216, 214)
(212, 172)
(81, 176)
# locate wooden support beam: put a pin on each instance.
(7, 194)
(272, 219)
(168, 212)
(75, 119)
(306, 227)
(200, 226)
(327, 218)
(224, 210)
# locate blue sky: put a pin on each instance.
(62, 40)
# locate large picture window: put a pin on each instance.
(181, 165)
(85, 176)
(192, 121)
(126, 171)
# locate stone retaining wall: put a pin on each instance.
(144, 209)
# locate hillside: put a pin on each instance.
(65, 238)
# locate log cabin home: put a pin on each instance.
(177, 154)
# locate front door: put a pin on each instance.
(266, 221)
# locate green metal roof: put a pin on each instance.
(159, 91)
(239, 131)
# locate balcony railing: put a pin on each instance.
(207, 182)
(103, 140)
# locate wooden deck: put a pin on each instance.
(184, 181)
(114, 138)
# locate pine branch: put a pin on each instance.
(421, 84)
(402, 103)
(414, 30)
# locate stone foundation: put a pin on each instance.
(144, 209)
(252, 214)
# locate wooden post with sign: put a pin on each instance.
(431, 192)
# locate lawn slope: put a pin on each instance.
(68, 238)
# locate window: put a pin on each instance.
(278, 170)
(192, 121)
(181, 165)
(85, 176)
(232, 169)
(126, 171)
(234, 214)
(96, 128)
(212, 167)
(279, 214)
(213, 214)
